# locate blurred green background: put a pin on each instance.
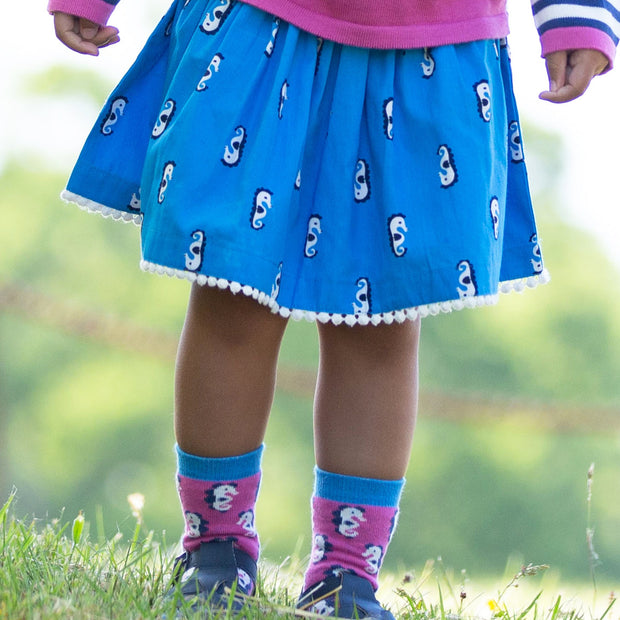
(517, 400)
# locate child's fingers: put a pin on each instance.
(101, 36)
(581, 67)
(68, 31)
(83, 36)
(562, 95)
(556, 63)
(87, 29)
(577, 81)
(111, 41)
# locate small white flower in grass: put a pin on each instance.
(136, 503)
(589, 480)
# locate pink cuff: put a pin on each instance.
(578, 37)
(96, 11)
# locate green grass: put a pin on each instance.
(55, 569)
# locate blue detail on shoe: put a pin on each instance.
(210, 574)
(346, 595)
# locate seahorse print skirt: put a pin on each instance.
(328, 182)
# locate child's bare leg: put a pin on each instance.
(225, 374)
(226, 367)
(365, 408)
(366, 399)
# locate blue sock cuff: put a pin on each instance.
(219, 469)
(354, 490)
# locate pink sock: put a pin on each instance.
(353, 520)
(218, 500)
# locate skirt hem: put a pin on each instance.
(395, 316)
(95, 207)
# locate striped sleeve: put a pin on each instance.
(98, 11)
(575, 24)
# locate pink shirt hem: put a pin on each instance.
(455, 29)
(96, 11)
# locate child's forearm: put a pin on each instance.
(97, 11)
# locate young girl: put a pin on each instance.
(358, 164)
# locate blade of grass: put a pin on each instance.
(529, 607)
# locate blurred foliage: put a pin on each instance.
(86, 419)
(61, 81)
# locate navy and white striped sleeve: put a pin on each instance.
(577, 24)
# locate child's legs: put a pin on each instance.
(225, 374)
(366, 399)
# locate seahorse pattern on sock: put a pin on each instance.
(353, 520)
(218, 498)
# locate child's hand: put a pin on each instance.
(82, 35)
(571, 72)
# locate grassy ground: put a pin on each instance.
(56, 569)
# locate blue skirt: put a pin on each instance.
(328, 182)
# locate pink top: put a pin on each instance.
(393, 24)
